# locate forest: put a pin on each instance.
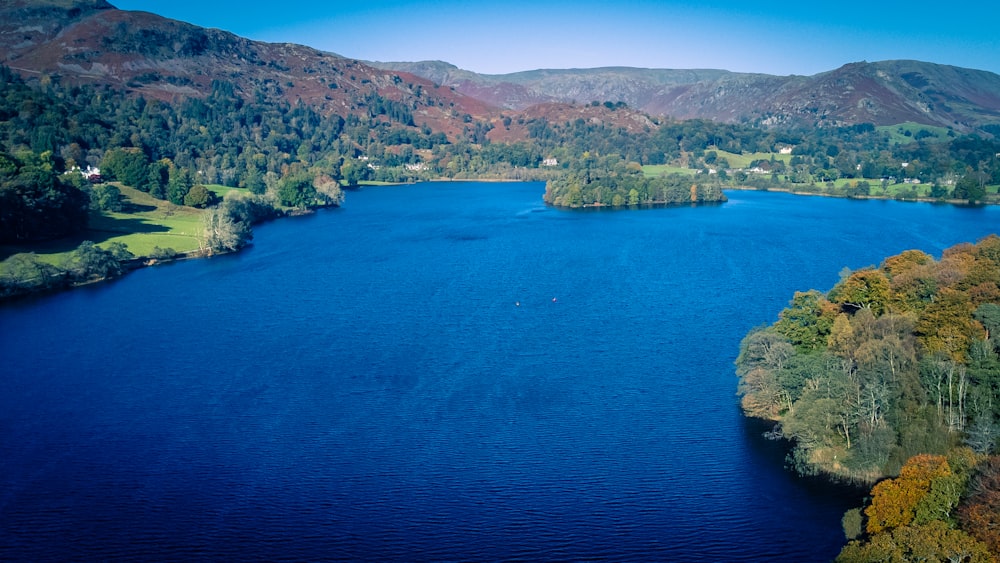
(892, 362)
(893, 372)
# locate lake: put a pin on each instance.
(435, 372)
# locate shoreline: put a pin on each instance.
(961, 202)
(147, 262)
(62, 283)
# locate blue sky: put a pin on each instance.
(795, 37)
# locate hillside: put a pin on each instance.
(91, 42)
(882, 93)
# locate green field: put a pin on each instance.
(146, 223)
(734, 160)
(898, 133)
(656, 170)
(744, 160)
(221, 190)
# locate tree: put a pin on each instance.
(128, 165)
(970, 187)
(894, 501)
(762, 355)
(223, 232)
(253, 180)
(988, 314)
(946, 325)
(228, 226)
(297, 190)
(980, 512)
(200, 196)
(328, 190)
(107, 197)
(90, 261)
(179, 185)
(934, 541)
(120, 252)
(807, 321)
(24, 271)
(982, 434)
(864, 289)
(36, 204)
(159, 178)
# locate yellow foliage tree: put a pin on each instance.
(894, 501)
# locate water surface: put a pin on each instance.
(443, 371)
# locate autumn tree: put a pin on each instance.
(328, 190)
(807, 321)
(864, 289)
(894, 501)
(763, 353)
(227, 227)
(980, 512)
(933, 541)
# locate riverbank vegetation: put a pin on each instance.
(893, 378)
(892, 362)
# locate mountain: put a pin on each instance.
(92, 42)
(883, 93)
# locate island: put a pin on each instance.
(627, 187)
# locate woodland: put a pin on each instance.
(894, 372)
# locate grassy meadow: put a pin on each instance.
(144, 223)
(905, 133)
(656, 170)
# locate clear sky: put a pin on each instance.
(793, 37)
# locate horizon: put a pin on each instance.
(518, 36)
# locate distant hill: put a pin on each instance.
(92, 42)
(883, 93)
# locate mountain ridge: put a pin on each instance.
(883, 92)
(92, 42)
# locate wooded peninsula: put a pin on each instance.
(894, 372)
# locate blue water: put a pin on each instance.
(443, 372)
